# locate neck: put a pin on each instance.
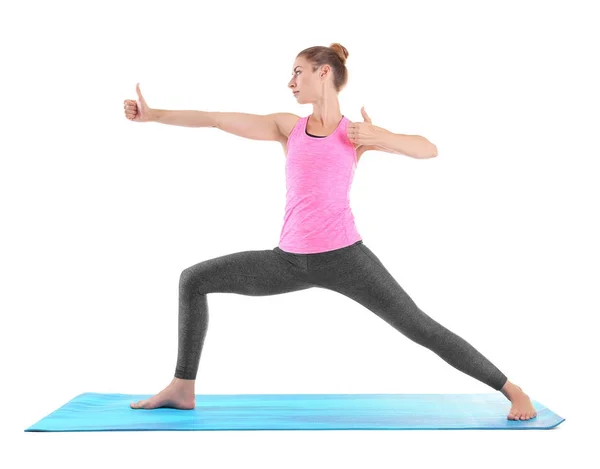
(326, 113)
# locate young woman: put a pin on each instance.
(319, 243)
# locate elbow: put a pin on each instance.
(431, 152)
(428, 149)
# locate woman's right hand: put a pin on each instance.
(137, 111)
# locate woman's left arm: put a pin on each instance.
(373, 137)
(414, 146)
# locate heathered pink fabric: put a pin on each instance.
(319, 174)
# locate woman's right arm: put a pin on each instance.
(183, 118)
(256, 127)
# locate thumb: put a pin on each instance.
(365, 115)
(139, 93)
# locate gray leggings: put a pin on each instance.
(353, 271)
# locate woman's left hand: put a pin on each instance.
(365, 133)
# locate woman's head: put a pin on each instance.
(319, 70)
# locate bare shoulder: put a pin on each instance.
(285, 122)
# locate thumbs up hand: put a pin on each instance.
(365, 133)
(137, 111)
(362, 132)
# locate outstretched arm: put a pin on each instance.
(242, 124)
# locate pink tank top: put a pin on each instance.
(318, 173)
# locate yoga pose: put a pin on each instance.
(319, 244)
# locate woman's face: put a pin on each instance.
(306, 82)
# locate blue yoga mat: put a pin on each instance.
(109, 412)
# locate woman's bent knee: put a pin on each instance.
(190, 280)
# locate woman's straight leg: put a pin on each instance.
(357, 273)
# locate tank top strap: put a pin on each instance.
(298, 127)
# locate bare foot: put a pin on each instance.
(178, 395)
(522, 408)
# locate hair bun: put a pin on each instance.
(340, 50)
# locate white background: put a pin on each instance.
(496, 238)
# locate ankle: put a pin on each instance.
(510, 389)
(183, 383)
